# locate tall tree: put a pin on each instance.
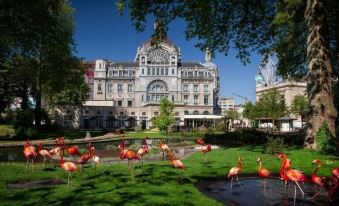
(271, 105)
(37, 36)
(267, 26)
(249, 112)
(299, 107)
(165, 118)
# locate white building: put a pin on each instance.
(127, 94)
(226, 103)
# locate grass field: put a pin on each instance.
(154, 184)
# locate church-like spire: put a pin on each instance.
(208, 55)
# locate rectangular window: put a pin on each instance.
(142, 71)
(157, 71)
(172, 71)
(99, 87)
(195, 88)
(110, 73)
(205, 88)
(109, 87)
(142, 98)
(172, 98)
(153, 71)
(185, 88)
(120, 74)
(119, 87)
(205, 99)
(162, 71)
(195, 99)
(186, 99)
(129, 103)
(166, 71)
(148, 71)
(119, 103)
(130, 88)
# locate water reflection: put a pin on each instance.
(253, 193)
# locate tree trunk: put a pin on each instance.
(37, 110)
(319, 76)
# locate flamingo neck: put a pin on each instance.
(316, 169)
(260, 166)
(240, 164)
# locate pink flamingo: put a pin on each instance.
(30, 153)
(141, 152)
(176, 164)
(295, 176)
(263, 172)
(44, 153)
(96, 159)
(235, 171)
(163, 147)
(200, 141)
(205, 149)
(73, 150)
(68, 167)
(317, 180)
(335, 183)
(127, 154)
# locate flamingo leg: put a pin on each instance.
(44, 162)
(295, 194)
(302, 192)
(231, 182)
(32, 164)
(239, 182)
(26, 166)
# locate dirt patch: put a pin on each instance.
(33, 184)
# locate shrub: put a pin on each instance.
(274, 145)
(7, 131)
(324, 142)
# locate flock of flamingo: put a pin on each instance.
(287, 175)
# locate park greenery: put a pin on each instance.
(303, 34)
(37, 62)
(153, 184)
(165, 119)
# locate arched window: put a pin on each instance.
(206, 113)
(156, 113)
(122, 113)
(176, 114)
(132, 113)
(144, 113)
(195, 112)
(185, 112)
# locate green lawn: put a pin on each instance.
(155, 184)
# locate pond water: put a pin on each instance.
(108, 151)
(253, 193)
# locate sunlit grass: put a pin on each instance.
(154, 184)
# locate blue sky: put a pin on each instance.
(100, 32)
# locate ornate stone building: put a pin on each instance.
(127, 94)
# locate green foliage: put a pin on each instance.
(324, 142)
(249, 111)
(165, 118)
(23, 124)
(299, 106)
(274, 145)
(7, 131)
(270, 105)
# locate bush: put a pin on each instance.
(324, 142)
(274, 145)
(7, 131)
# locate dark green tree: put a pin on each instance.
(303, 33)
(249, 112)
(37, 46)
(299, 107)
(165, 118)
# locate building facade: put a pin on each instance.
(226, 103)
(127, 94)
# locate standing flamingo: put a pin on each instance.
(285, 165)
(163, 147)
(30, 153)
(73, 150)
(335, 183)
(315, 178)
(295, 176)
(205, 149)
(128, 154)
(141, 152)
(44, 153)
(176, 164)
(68, 167)
(263, 172)
(96, 159)
(200, 141)
(85, 157)
(235, 171)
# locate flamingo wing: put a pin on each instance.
(69, 167)
(296, 176)
(264, 173)
(234, 171)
